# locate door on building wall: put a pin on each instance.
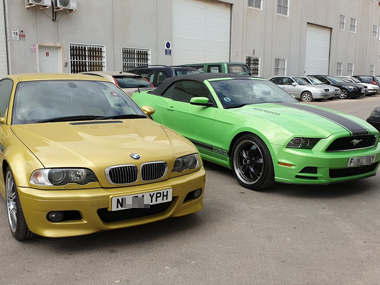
(49, 59)
(317, 55)
(201, 31)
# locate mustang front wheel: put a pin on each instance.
(19, 229)
(252, 163)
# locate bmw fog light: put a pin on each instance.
(55, 217)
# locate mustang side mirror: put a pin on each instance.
(201, 101)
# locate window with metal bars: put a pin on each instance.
(134, 57)
(255, 3)
(283, 7)
(253, 64)
(87, 58)
(279, 66)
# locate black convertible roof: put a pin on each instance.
(200, 77)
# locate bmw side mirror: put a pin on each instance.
(148, 110)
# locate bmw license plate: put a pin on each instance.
(361, 160)
(144, 200)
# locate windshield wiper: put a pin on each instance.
(124, 116)
(69, 118)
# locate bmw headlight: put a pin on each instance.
(62, 176)
(375, 113)
(302, 143)
(351, 87)
(190, 161)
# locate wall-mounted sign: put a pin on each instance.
(15, 35)
(21, 35)
(33, 48)
(168, 48)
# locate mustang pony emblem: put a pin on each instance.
(355, 142)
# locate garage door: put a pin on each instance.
(3, 50)
(317, 54)
(200, 32)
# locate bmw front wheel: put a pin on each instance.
(17, 223)
(252, 163)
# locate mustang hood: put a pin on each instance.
(90, 144)
(307, 120)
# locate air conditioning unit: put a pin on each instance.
(40, 3)
(65, 4)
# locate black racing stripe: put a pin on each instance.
(202, 145)
(350, 125)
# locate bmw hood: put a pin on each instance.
(102, 143)
(306, 120)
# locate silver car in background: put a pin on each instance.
(372, 88)
(334, 91)
(300, 88)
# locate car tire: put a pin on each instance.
(306, 96)
(252, 163)
(16, 220)
(343, 94)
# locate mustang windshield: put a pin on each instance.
(239, 92)
(71, 100)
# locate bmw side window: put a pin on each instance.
(5, 94)
(161, 76)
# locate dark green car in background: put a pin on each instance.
(262, 133)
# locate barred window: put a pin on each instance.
(375, 31)
(279, 66)
(339, 69)
(87, 58)
(372, 70)
(134, 57)
(342, 22)
(253, 64)
(353, 25)
(255, 3)
(283, 7)
(350, 69)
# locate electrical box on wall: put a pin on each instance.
(65, 5)
(37, 3)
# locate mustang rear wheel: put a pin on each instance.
(306, 97)
(252, 163)
(17, 224)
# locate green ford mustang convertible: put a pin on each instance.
(262, 133)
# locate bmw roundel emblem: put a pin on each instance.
(135, 156)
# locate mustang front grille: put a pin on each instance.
(124, 174)
(351, 143)
(129, 214)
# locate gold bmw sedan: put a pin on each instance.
(79, 156)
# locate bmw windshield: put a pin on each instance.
(71, 100)
(240, 92)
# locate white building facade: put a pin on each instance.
(275, 37)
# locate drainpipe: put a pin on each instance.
(6, 35)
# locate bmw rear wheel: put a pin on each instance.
(343, 94)
(252, 163)
(306, 96)
(17, 223)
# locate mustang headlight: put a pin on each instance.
(62, 176)
(302, 143)
(190, 161)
